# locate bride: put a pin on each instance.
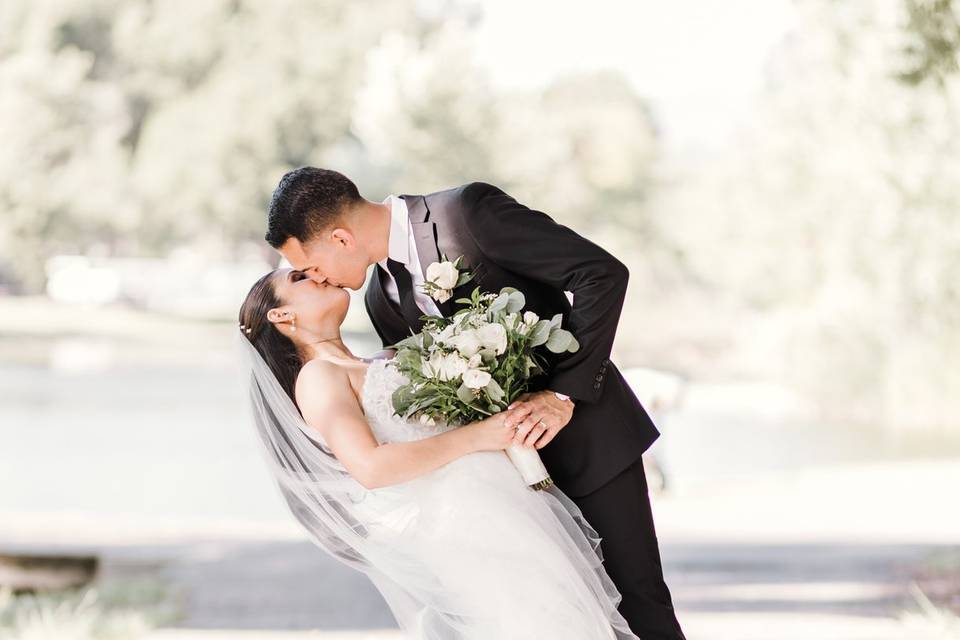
(435, 515)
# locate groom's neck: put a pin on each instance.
(374, 220)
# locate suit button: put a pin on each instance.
(596, 385)
(599, 377)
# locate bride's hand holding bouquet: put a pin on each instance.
(473, 365)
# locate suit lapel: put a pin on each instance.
(424, 231)
(425, 237)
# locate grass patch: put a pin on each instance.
(123, 610)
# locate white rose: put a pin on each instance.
(493, 336)
(467, 342)
(443, 274)
(476, 379)
(450, 366)
(444, 335)
(475, 361)
(530, 318)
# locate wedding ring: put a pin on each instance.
(539, 422)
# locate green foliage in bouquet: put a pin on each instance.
(478, 361)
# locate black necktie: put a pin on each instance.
(411, 312)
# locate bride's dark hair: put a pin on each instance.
(276, 349)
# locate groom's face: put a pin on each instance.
(333, 259)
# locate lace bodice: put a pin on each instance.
(381, 380)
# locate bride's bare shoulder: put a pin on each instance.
(321, 382)
(318, 367)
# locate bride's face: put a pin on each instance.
(313, 304)
(336, 257)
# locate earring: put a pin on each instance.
(293, 324)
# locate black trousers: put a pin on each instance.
(620, 512)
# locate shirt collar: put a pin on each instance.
(398, 247)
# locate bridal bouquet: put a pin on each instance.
(475, 363)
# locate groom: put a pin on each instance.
(589, 427)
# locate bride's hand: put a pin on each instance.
(492, 434)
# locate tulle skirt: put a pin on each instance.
(469, 551)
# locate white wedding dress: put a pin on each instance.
(514, 563)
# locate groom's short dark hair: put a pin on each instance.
(306, 202)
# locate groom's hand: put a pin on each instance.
(539, 416)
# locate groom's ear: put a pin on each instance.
(343, 237)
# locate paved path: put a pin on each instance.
(825, 554)
(285, 589)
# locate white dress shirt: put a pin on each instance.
(403, 248)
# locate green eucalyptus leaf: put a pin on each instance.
(465, 394)
(500, 303)
(516, 302)
(402, 398)
(409, 359)
(494, 390)
(559, 340)
(539, 333)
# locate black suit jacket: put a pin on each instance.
(505, 243)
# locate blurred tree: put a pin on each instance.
(583, 148)
(933, 45)
(273, 90)
(62, 163)
(835, 219)
(131, 126)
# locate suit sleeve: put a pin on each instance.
(530, 242)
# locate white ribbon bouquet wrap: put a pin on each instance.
(474, 364)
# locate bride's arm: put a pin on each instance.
(329, 405)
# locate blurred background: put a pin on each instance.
(782, 179)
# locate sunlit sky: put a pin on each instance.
(699, 62)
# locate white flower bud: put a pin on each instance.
(476, 379)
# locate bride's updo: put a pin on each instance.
(277, 350)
